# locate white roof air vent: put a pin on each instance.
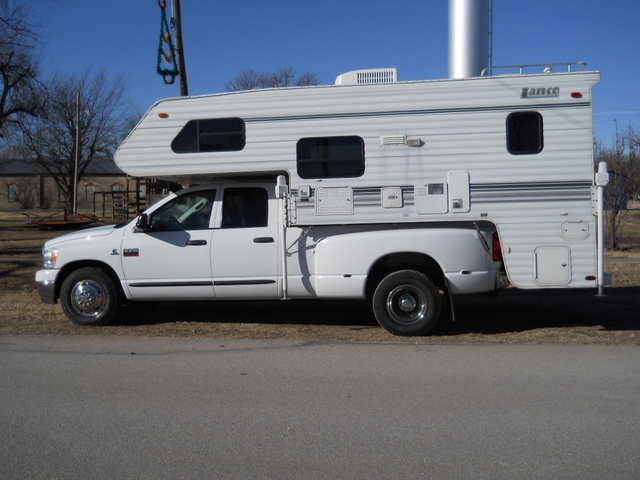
(379, 75)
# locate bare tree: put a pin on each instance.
(634, 175)
(623, 164)
(18, 62)
(49, 140)
(284, 77)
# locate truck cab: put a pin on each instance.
(217, 241)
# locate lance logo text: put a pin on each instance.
(540, 92)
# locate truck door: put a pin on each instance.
(171, 259)
(244, 254)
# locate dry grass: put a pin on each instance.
(516, 316)
(21, 241)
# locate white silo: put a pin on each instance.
(469, 44)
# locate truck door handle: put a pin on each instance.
(196, 242)
(263, 240)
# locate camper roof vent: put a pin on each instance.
(397, 139)
(357, 77)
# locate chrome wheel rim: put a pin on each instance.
(87, 298)
(406, 304)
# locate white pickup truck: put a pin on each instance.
(233, 241)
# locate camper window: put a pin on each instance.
(219, 134)
(524, 133)
(326, 157)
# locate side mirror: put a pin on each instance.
(143, 222)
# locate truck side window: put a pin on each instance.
(326, 157)
(191, 211)
(245, 207)
(524, 133)
(217, 134)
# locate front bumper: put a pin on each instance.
(46, 285)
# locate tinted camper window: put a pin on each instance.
(326, 157)
(524, 133)
(220, 134)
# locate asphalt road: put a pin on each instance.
(88, 407)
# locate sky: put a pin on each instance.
(329, 37)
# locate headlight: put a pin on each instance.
(49, 257)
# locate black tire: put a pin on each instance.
(89, 297)
(407, 303)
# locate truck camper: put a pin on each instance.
(407, 193)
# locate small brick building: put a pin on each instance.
(104, 190)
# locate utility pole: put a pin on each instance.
(175, 21)
(75, 170)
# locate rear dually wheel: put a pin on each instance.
(407, 303)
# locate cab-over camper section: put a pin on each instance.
(511, 150)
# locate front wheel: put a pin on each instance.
(89, 297)
(407, 303)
